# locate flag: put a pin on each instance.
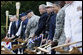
(7, 44)
(32, 41)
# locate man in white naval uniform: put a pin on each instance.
(73, 23)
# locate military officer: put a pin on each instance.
(32, 25)
(59, 36)
(73, 23)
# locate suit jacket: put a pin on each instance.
(15, 27)
(41, 24)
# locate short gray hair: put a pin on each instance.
(12, 16)
(43, 5)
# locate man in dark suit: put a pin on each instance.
(41, 23)
(14, 28)
(9, 34)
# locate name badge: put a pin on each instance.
(24, 26)
(79, 8)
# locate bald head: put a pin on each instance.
(42, 8)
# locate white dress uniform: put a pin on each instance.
(73, 23)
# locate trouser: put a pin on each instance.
(16, 50)
(23, 48)
(20, 49)
(38, 42)
(53, 44)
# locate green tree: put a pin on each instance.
(25, 5)
(11, 7)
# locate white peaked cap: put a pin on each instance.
(49, 4)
